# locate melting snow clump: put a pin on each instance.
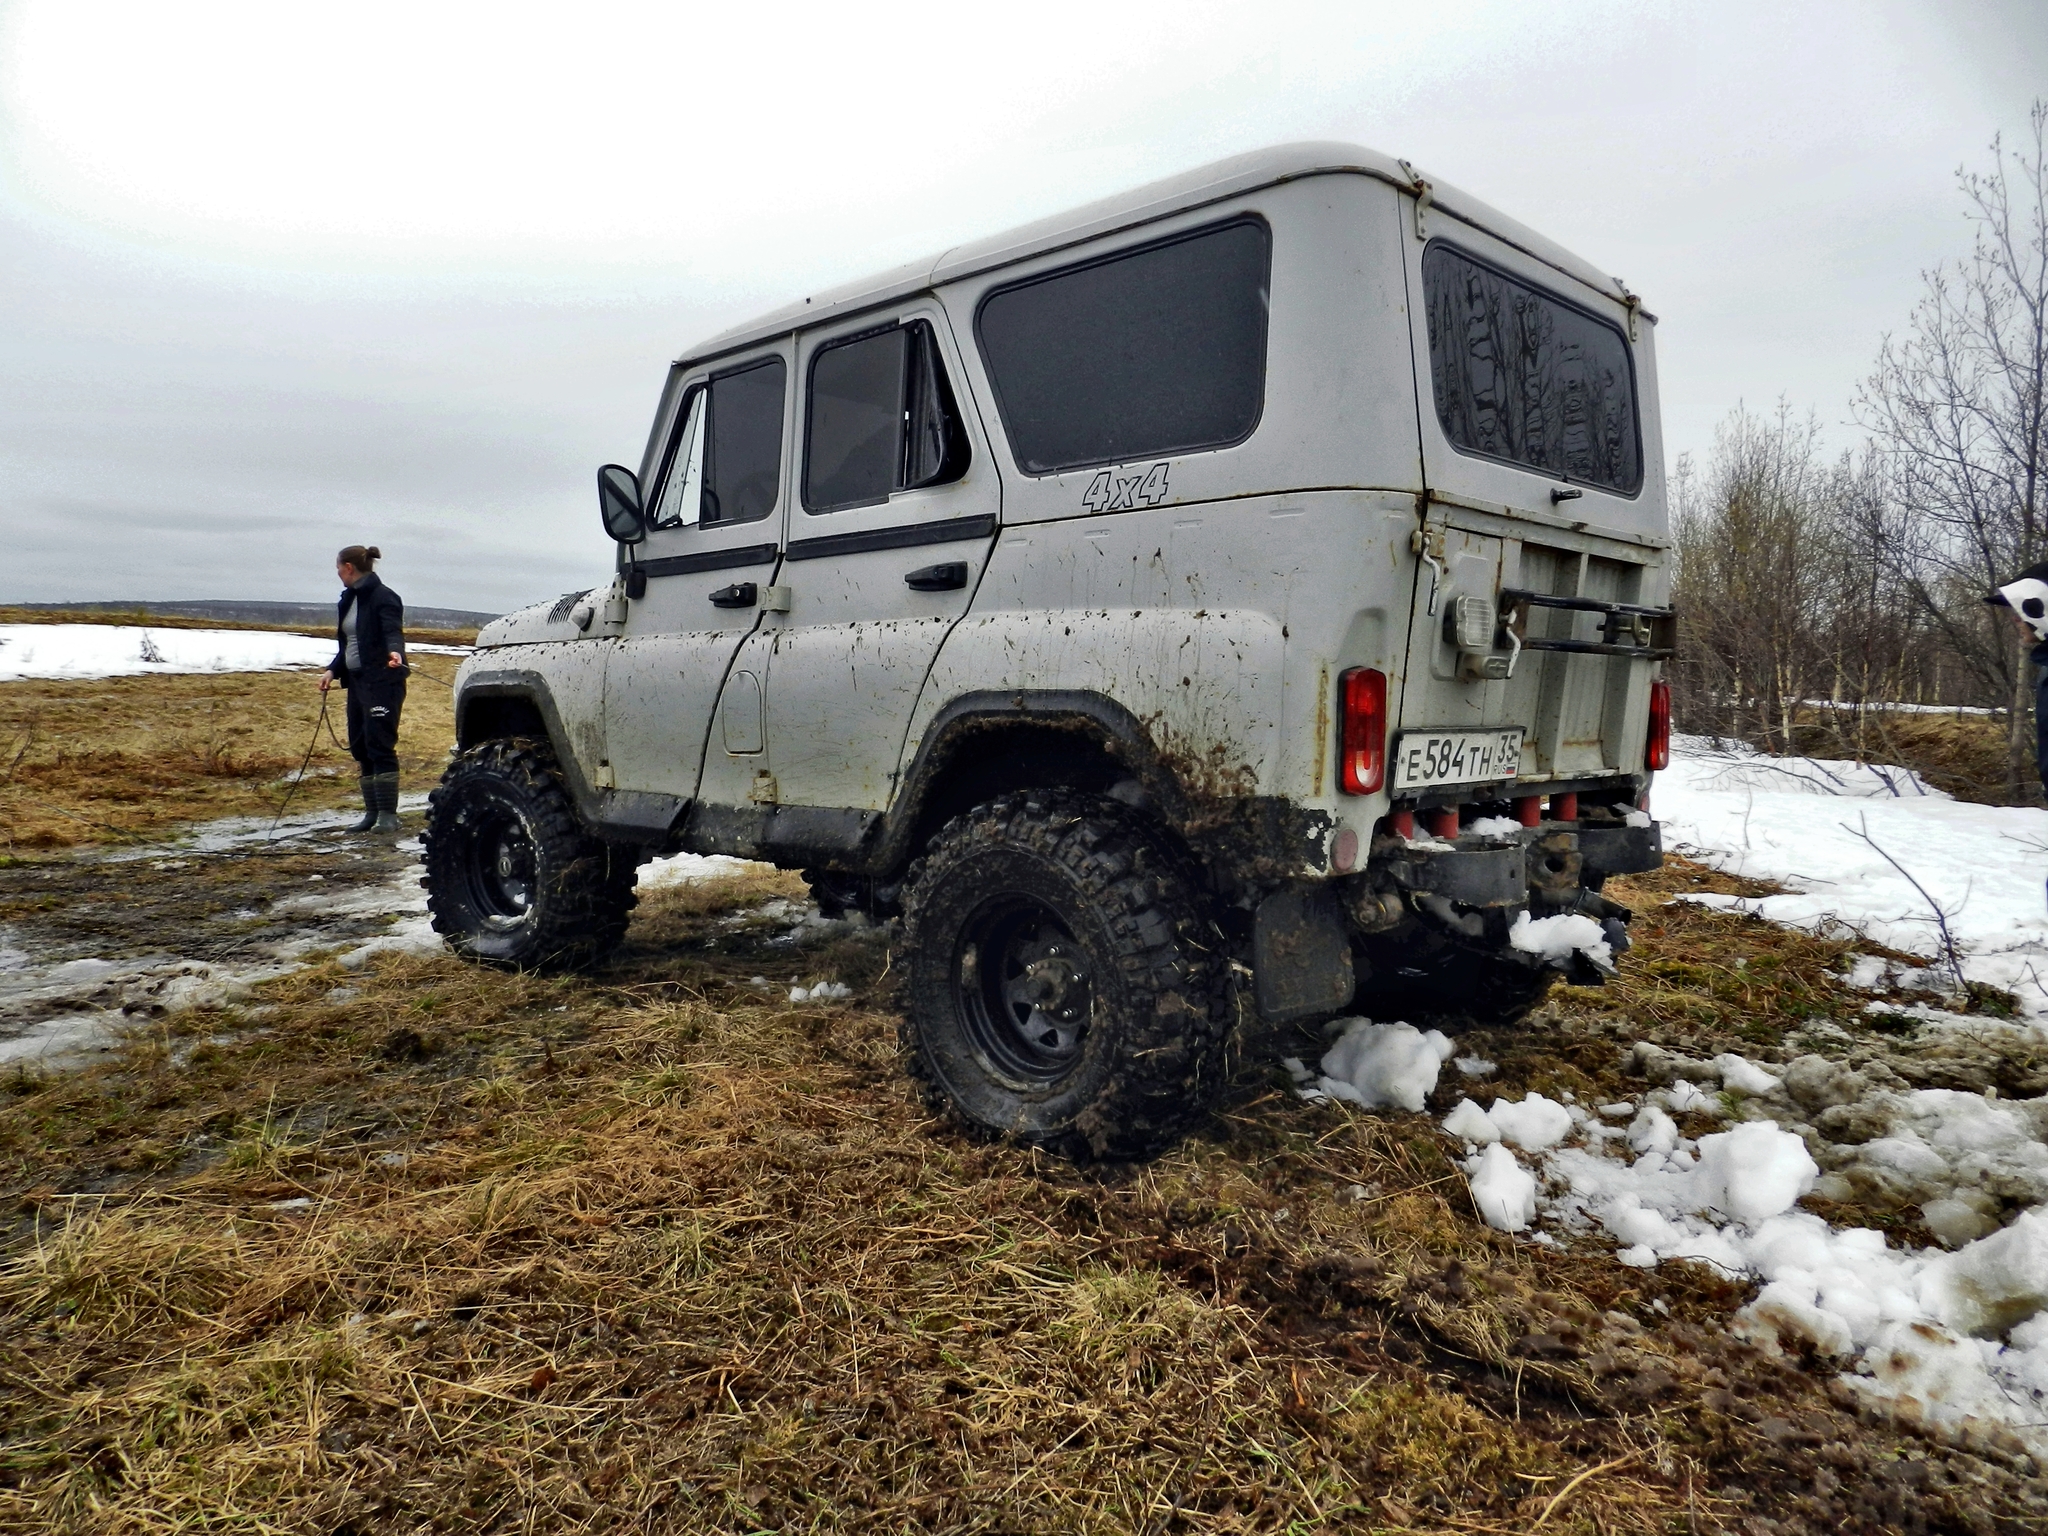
(823, 992)
(1379, 1065)
(1502, 1189)
(1532, 1125)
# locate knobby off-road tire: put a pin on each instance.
(512, 878)
(1065, 986)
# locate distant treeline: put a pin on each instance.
(295, 615)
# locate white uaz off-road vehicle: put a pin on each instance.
(1261, 573)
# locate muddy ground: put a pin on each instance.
(340, 1235)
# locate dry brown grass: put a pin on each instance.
(654, 1249)
(127, 758)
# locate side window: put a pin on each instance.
(724, 462)
(1149, 352)
(880, 419)
(1521, 375)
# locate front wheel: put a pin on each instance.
(1064, 985)
(512, 878)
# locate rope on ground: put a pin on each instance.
(300, 777)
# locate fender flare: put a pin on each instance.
(1112, 726)
(622, 816)
(1268, 820)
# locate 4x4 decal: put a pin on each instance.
(1113, 491)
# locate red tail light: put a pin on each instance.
(1362, 746)
(1657, 756)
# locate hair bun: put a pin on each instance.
(374, 552)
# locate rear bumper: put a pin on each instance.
(1549, 859)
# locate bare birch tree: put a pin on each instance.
(1958, 411)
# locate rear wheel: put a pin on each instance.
(1064, 988)
(512, 878)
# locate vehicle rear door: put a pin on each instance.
(1537, 439)
(896, 507)
(713, 546)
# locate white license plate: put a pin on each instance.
(1424, 759)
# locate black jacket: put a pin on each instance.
(380, 629)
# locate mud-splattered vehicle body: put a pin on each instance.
(1257, 576)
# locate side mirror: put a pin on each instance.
(618, 503)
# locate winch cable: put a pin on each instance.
(300, 777)
(339, 746)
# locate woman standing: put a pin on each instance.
(370, 665)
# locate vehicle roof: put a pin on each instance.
(1190, 189)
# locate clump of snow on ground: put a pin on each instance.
(1377, 1065)
(1502, 1189)
(823, 992)
(1796, 822)
(1532, 1125)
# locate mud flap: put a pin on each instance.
(1301, 956)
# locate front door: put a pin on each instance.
(712, 547)
(896, 509)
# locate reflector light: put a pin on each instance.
(1362, 741)
(1657, 756)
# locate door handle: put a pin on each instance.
(950, 576)
(741, 594)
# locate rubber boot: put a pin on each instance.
(369, 821)
(385, 787)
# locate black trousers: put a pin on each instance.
(373, 706)
(2041, 723)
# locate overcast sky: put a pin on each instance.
(277, 278)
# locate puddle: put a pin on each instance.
(98, 944)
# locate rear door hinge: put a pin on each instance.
(1635, 307)
(1424, 195)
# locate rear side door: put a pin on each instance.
(712, 548)
(895, 509)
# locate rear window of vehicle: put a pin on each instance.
(1153, 351)
(1523, 376)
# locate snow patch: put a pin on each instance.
(691, 869)
(1795, 822)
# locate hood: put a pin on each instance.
(543, 621)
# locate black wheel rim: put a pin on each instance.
(1024, 988)
(499, 867)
